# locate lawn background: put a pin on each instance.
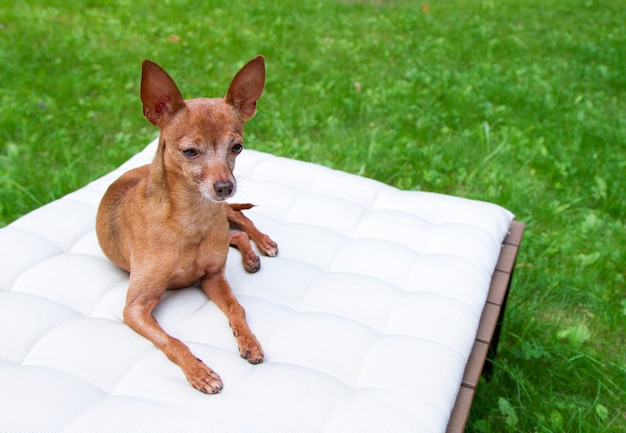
(516, 102)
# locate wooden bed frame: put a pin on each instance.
(488, 335)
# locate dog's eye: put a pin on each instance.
(237, 148)
(190, 153)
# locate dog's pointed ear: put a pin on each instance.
(160, 97)
(247, 87)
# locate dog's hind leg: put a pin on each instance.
(263, 242)
(241, 241)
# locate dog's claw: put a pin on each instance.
(255, 361)
(271, 253)
(252, 351)
(252, 360)
(213, 388)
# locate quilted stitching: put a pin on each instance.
(367, 315)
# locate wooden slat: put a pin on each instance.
(461, 411)
(489, 328)
(506, 261)
(516, 232)
(475, 363)
(510, 247)
(499, 284)
(488, 322)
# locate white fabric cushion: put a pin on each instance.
(367, 316)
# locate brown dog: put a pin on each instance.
(167, 222)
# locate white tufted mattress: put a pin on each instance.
(367, 316)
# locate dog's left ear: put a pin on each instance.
(247, 87)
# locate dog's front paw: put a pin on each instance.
(203, 378)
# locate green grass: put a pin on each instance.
(518, 102)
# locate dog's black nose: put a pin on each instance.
(223, 189)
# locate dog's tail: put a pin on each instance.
(240, 206)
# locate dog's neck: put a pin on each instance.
(157, 183)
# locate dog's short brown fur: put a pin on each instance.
(167, 223)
